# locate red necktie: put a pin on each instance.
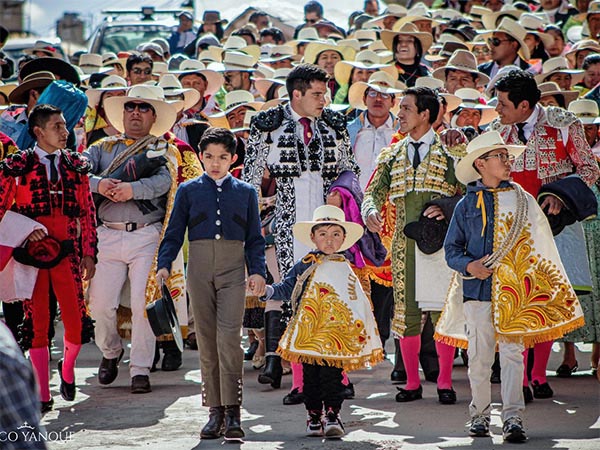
(305, 122)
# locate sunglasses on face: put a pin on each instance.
(311, 20)
(142, 107)
(139, 71)
(496, 42)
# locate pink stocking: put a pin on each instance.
(445, 360)
(541, 353)
(297, 376)
(345, 379)
(411, 346)
(68, 366)
(525, 359)
(39, 359)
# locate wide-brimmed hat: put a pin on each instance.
(465, 61)
(237, 44)
(45, 253)
(490, 20)
(533, 24)
(61, 69)
(92, 63)
(514, 30)
(501, 72)
(172, 86)
(166, 112)
(110, 83)
(559, 64)
(305, 36)
(237, 61)
(279, 77)
(6, 89)
(586, 44)
(551, 88)
(111, 59)
(43, 47)
(159, 67)
(328, 214)
(333, 31)
(236, 99)
(392, 10)
(380, 82)
(437, 85)
(444, 51)
(419, 11)
(586, 110)
(486, 142)
(365, 59)
(37, 80)
(162, 317)
(189, 66)
(472, 99)
(364, 37)
(212, 17)
(407, 29)
(275, 53)
(314, 49)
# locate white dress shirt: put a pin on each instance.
(427, 139)
(45, 161)
(369, 143)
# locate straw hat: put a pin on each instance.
(407, 29)
(560, 64)
(44, 47)
(465, 61)
(490, 20)
(110, 59)
(166, 112)
(207, 57)
(279, 77)
(190, 66)
(352, 43)
(366, 59)
(586, 110)
(380, 82)
(551, 88)
(364, 37)
(445, 51)
(419, 11)
(305, 36)
(238, 44)
(478, 147)
(236, 99)
(159, 67)
(472, 99)
(384, 53)
(110, 83)
(172, 86)
(533, 24)
(274, 53)
(392, 10)
(586, 44)
(6, 89)
(19, 95)
(314, 49)
(514, 30)
(240, 62)
(92, 63)
(328, 214)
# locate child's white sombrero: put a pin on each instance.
(328, 214)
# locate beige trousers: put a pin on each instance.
(216, 286)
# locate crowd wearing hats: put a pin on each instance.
(516, 89)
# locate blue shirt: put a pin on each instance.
(207, 211)
(464, 241)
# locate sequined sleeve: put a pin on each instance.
(255, 159)
(581, 154)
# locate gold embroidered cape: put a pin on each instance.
(532, 299)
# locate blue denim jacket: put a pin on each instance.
(468, 240)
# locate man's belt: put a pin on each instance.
(126, 226)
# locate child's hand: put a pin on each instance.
(478, 270)
(162, 276)
(256, 285)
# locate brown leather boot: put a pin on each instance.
(233, 425)
(214, 428)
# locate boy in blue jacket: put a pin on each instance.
(221, 216)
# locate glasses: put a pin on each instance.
(503, 157)
(481, 51)
(496, 42)
(139, 71)
(374, 94)
(142, 107)
(310, 20)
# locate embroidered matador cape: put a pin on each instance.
(532, 299)
(333, 322)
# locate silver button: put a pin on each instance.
(218, 212)
(217, 199)
(217, 236)
(219, 189)
(218, 222)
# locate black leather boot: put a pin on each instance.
(272, 372)
(214, 428)
(233, 423)
(172, 358)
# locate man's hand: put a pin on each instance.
(36, 235)
(106, 186)
(256, 285)
(434, 212)
(122, 192)
(374, 222)
(554, 205)
(162, 275)
(88, 268)
(478, 270)
(453, 137)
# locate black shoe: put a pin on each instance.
(191, 341)
(171, 360)
(495, 377)
(565, 371)
(67, 390)
(272, 371)
(406, 395)
(447, 396)
(512, 430)
(233, 425)
(140, 384)
(398, 376)
(214, 427)
(109, 369)
(432, 376)
(47, 406)
(542, 390)
(293, 398)
(349, 392)
(527, 394)
(251, 351)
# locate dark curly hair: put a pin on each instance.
(425, 98)
(301, 77)
(520, 85)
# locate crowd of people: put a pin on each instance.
(306, 189)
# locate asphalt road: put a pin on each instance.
(171, 416)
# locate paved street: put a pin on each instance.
(171, 416)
